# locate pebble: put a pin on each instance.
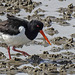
(51, 31)
(56, 49)
(59, 40)
(70, 6)
(35, 60)
(73, 35)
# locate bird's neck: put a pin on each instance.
(31, 35)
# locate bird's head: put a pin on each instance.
(37, 26)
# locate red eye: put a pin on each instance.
(38, 26)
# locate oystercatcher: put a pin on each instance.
(15, 31)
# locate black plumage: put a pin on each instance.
(12, 24)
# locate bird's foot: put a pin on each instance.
(24, 53)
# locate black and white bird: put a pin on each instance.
(15, 31)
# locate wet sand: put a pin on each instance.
(59, 59)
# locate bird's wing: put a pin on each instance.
(11, 26)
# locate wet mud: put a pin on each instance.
(41, 64)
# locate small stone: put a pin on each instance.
(45, 52)
(70, 6)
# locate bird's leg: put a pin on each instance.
(24, 53)
(9, 52)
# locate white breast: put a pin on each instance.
(18, 39)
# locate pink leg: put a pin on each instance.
(9, 52)
(24, 53)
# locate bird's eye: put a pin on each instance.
(38, 26)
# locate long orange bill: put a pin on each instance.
(44, 36)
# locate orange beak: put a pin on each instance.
(44, 36)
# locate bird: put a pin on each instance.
(16, 31)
